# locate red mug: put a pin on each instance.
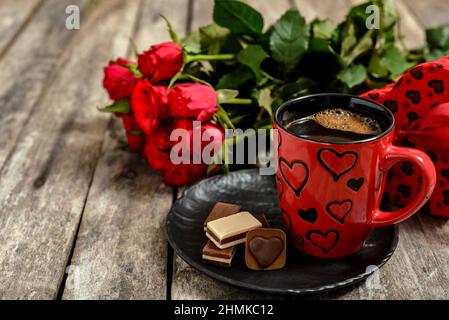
(330, 193)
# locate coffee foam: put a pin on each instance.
(345, 120)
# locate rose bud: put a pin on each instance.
(181, 174)
(192, 167)
(118, 80)
(135, 142)
(161, 62)
(193, 100)
(208, 134)
(157, 150)
(149, 105)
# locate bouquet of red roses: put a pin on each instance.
(151, 110)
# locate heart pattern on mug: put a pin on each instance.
(337, 163)
(326, 241)
(295, 174)
(355, 184)
(287, 221)
(280, 187)
(309, 215)
(271, 247)
(339, 210)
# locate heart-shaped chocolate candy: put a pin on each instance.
(266, 250)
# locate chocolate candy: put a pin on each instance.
(221, 210)
(214, 255)
(230, 231)
(265, 249)
(263, 220)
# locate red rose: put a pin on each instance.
(135, 142)
(118, 80)
(149, 105)
(193, 100)
(207, 133)
(157, 150)
(181, 174)
(210, 135)
(161, 62)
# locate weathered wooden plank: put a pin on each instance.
(410, 27)
(188, 283)
(333, 9)
(15, 14)
(45, 182)
(29, 65)
(152, 28)
(431, 13)
(416, 270)
(121, 249)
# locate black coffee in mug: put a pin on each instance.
(334, 126)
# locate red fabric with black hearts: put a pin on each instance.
(420, 103)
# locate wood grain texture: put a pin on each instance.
(152, 29)
(431, 13)
(29, 66)
(187, 283)
(332, 9)
(410, 27)
(14, 17)
(121, 249)
(45, 182)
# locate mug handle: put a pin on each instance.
(392, 156)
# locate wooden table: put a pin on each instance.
(82, 219)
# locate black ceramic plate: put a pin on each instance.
(257, 194)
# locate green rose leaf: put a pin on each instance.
(252, 57)
(353, 76)
(238, 17)
(265, 100)
(213, 38)
(323, 29)
(120, 106)
(225, 95)
(235, 79)
(364, 45)
(389, 14)
(349, 39)
(135, 133)
(192, 43)
(435, 54)
(222, 117)
(438, 37)
(376, 68)
(173, 35)
(395, 61)
(289, 39)
(321, 46)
